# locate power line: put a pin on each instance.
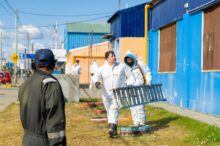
(57, 15)
(13, 10)
(60, 24)
(19, 19)
(9, 6)
(6, 9)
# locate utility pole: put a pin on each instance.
(32, 48)
(25, 58)
(28, 40)
(119, 4)
(89, 55)
(126, 4)
(91, 44)
(16, 43)
(1, 52)
(55, 37)
(90, 41)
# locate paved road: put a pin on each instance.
(7, 96)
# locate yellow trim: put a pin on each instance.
(146, 34)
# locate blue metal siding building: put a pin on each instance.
(169, 11)
(82, 34)
(189, 87)
(128, 22)
(76, 40)
(166, 12)
(197, 5)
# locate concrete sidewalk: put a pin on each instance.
(209, 119)
(7, 96)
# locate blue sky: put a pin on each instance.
(44, 36)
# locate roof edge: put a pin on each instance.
(125, 10)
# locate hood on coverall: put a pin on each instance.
(129, 54)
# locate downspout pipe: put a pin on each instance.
(146, 33)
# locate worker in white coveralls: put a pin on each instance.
(113, 76)
(76, 68)
(68, 68)
(139, 73)
(93, 69)
(76, 72)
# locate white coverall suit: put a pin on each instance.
(136, 78)
(112, 77)
(76, 71)
(93, 69)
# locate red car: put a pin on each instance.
(2, 77)
(7, 77)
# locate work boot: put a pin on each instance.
(112, 130)
(139, 124)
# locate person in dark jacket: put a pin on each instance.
(42, 107)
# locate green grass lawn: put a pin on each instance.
(166, 129)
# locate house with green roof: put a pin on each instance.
(83, 34)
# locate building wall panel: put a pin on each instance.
(84, 56)
(136, 45)
(116, 27)
(189, 87)
(199, 5)
(76, 40)
(171, 81)
(166, 12)
(128, 22)
(132, 23)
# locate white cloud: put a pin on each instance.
(8, 35)
(21, 47)
(34, 32)
(40, 37)
(46, 31)
(52, 36)
(5, 35)
(38, 45)
(1, 24)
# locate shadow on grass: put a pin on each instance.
(161, 123)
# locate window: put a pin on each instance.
(211, 36)
(167, 59)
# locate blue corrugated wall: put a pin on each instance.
(166, 12)
(200, 3)
(169, 11)
(132, 23)
(76, 40)
(189, 87)
(116, 27)
(128, 22)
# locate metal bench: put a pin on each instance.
(138, 95)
